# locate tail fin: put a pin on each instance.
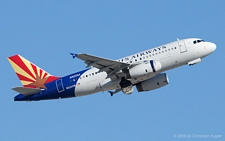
(29, 74)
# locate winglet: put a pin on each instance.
(116, 91)
(73, 55)
(111, 93)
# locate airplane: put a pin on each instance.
(144, 70)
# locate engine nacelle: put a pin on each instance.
(156, 82)
(143, 69)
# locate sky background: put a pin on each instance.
(45, 32)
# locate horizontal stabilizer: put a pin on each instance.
(27, 91)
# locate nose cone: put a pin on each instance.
(213, 47)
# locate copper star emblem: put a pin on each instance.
(39, 83)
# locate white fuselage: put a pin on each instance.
(171, 55)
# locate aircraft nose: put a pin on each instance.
(213, 47)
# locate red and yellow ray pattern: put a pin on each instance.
(29, 74)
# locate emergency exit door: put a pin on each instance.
(182, 46)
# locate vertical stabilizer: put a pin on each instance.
(29, 74)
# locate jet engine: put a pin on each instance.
(143, 69)
(155, 82)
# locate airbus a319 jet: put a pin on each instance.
(143, 70)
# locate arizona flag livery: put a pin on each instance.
(30, 75)
(143, 70)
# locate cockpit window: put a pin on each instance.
(198, 41)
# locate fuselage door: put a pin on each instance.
(59, 85)
(182, 46)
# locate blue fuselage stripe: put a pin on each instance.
(152, 65)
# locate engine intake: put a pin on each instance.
(156, 82)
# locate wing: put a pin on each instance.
(103, 64)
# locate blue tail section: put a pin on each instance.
(60, 88)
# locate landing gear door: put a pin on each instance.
(182, 46)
